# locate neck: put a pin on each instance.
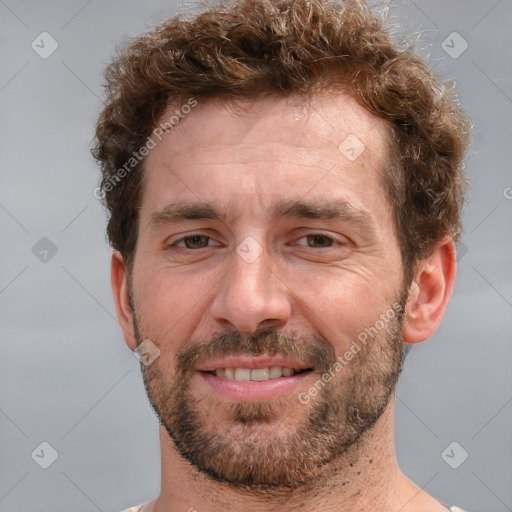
(366, 477)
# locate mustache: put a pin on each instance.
(316, 352)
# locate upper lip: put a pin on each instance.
(251, 362)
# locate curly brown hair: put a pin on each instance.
(247, 49)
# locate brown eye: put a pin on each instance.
(196, 241)
(319, 240)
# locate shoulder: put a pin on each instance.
(456, 509)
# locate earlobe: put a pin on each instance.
(430, 292)
(119, 281)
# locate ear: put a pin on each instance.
(119, 280)
(430, 292)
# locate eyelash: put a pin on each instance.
(192, 235)
(183, 238)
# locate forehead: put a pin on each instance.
(315, 122)
(267, 148)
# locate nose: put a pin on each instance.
(251, 296)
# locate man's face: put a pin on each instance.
(266, 243)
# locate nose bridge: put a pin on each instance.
(250, 294)
(252, 270)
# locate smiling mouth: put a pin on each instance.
(256, 374)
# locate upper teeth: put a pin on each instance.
(257, 374)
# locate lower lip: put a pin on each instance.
(253, 390)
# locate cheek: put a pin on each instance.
(170, 303)
(340, 307)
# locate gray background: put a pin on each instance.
(66, 375)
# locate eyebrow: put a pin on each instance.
(285, 209)
(322, 209)
(176, 212)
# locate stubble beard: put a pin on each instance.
(255, 447)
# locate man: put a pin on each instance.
(284, 188)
